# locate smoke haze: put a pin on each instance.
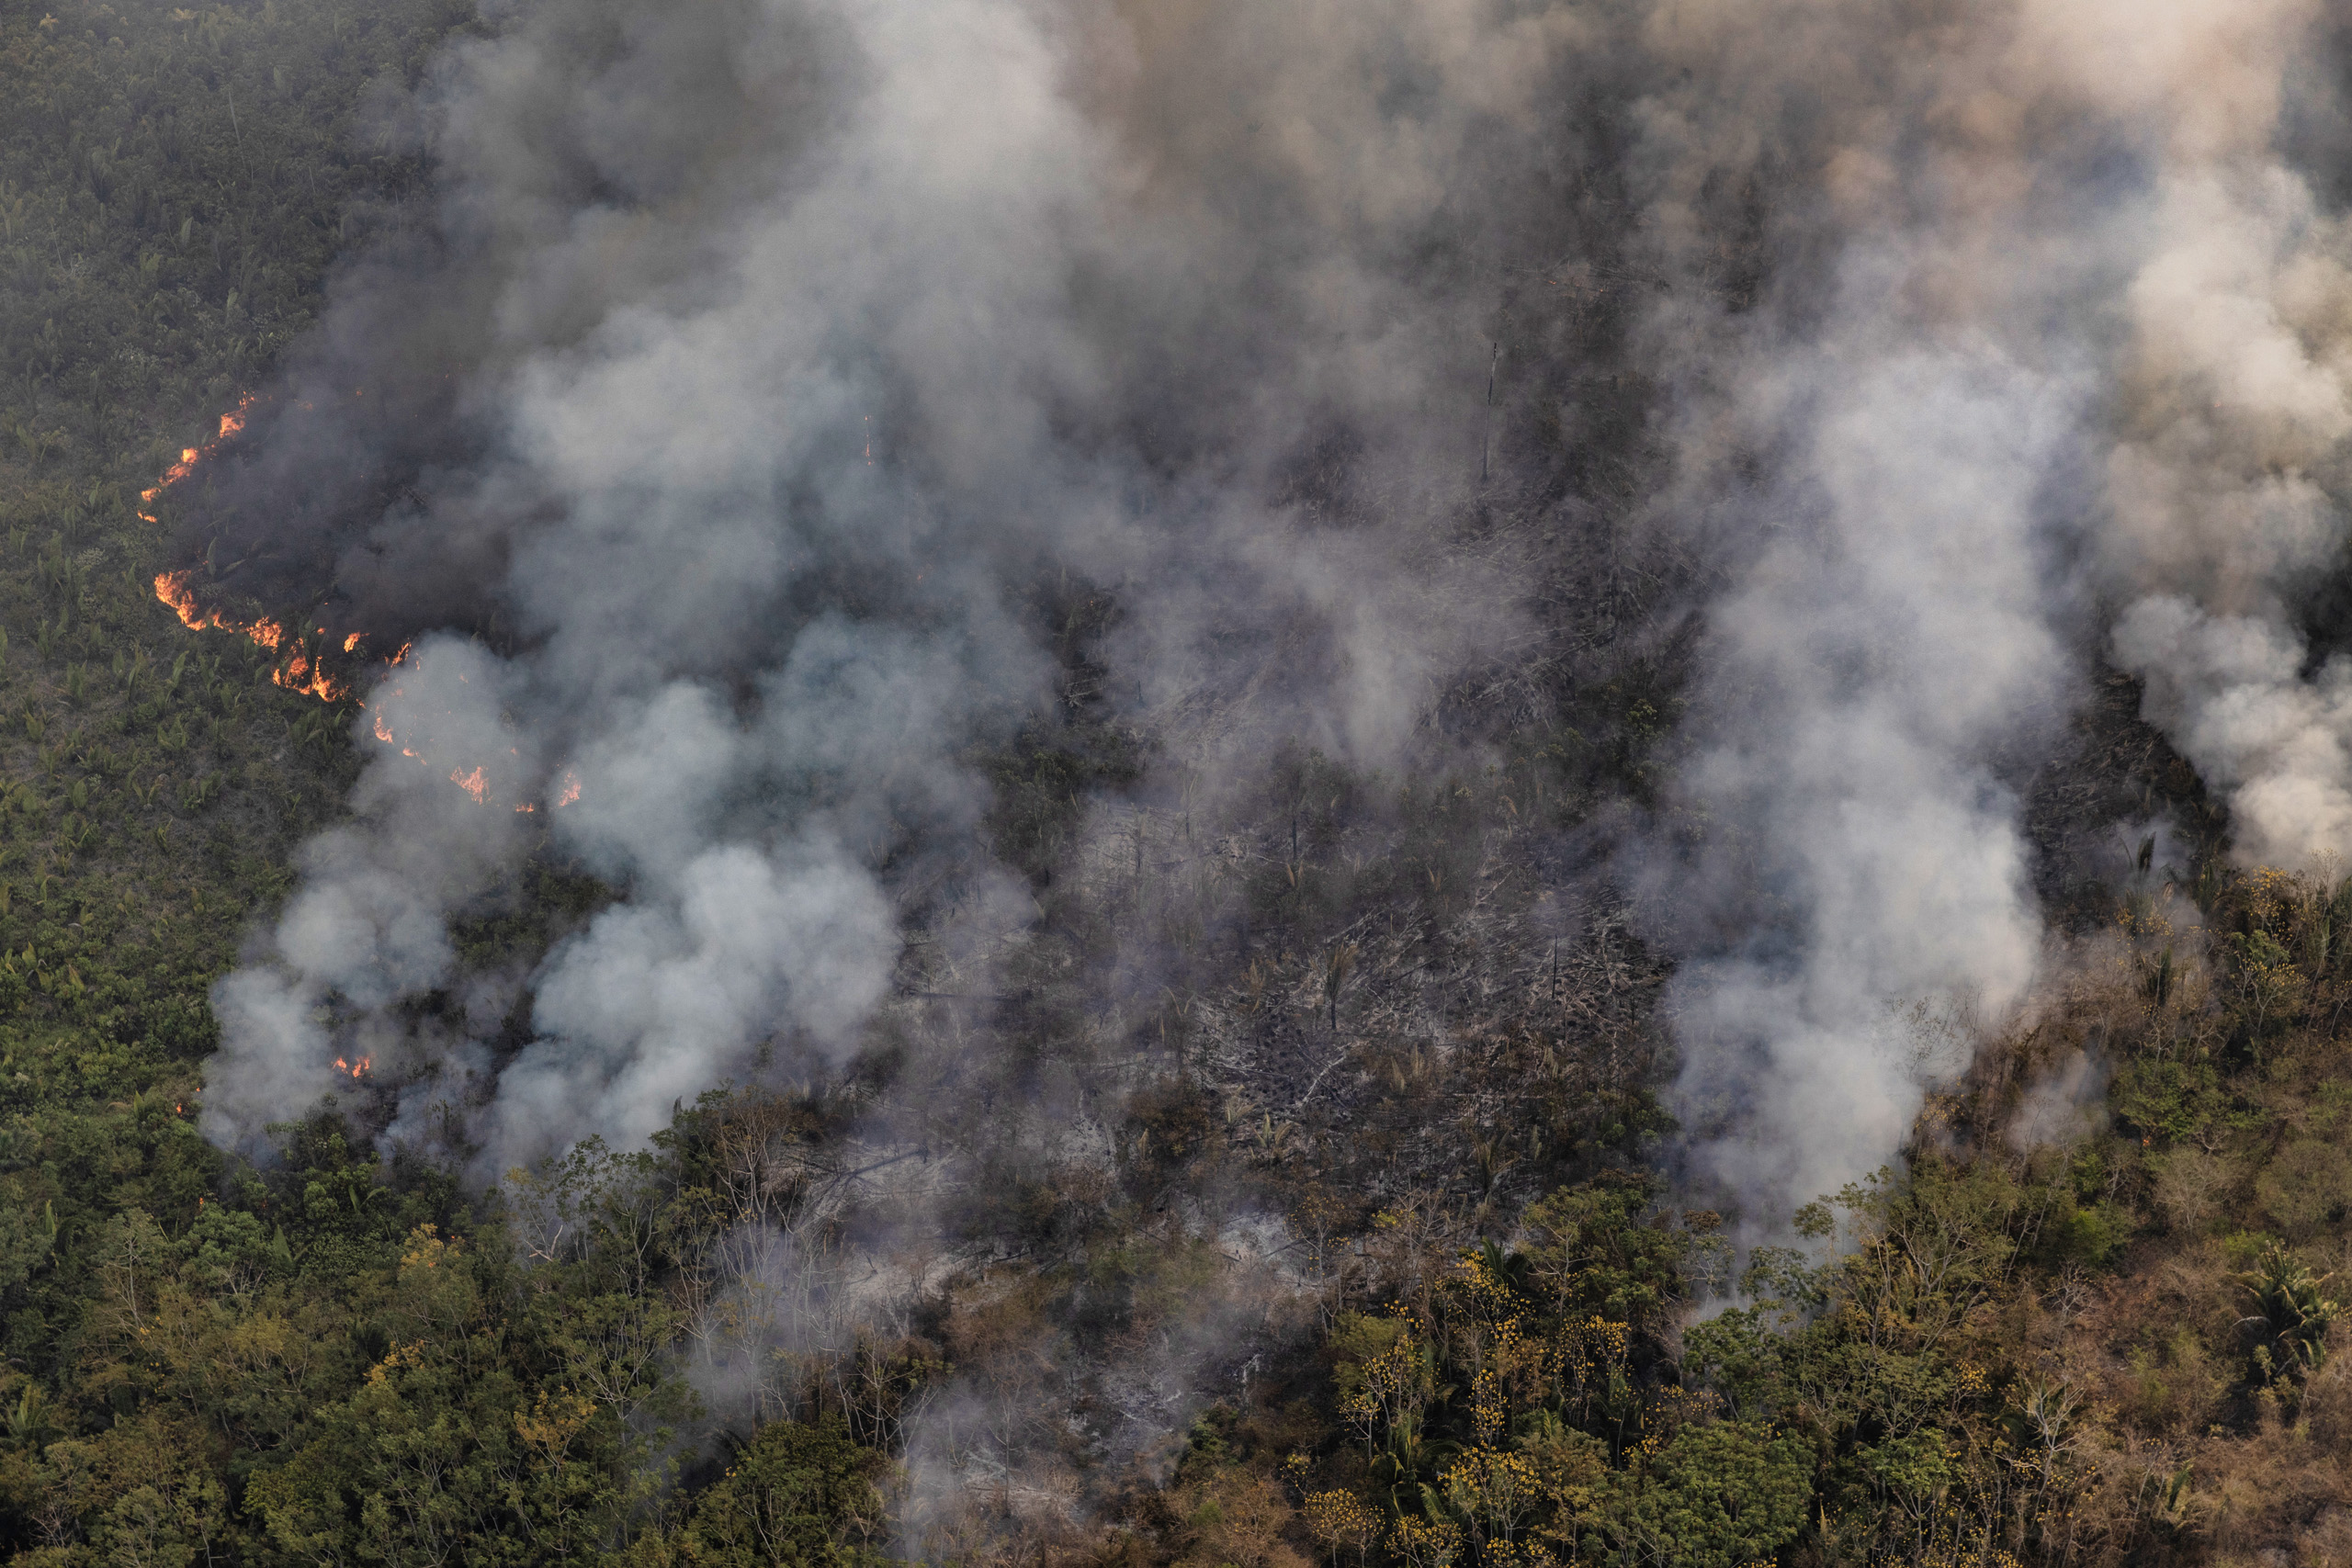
(759, 363)
(2056, 352)
(738, 429)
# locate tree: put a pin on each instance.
(1714, 1497)
(2291, 1315)
(798, 1494)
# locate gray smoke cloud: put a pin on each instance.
(753, 364)
(757, 364)
(1879, 447)
(1936, 455)
(726, 434)
(2225, 478)
(1871, 666)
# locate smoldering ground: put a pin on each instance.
(1003, 538)
(755, 458)
(817, 429)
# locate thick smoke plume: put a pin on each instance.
(2225, 469)
(2061, 343)
(755, 366)
(738, 426)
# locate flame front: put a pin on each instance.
(171, 587)
(356, 1069)
(231, 423)
(298, 673)
(301, 673)
(475, 779)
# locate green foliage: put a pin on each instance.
(1715, 1496)
(2291, 1314)
(1864, 1400)
(1587, 1243)
(447, 1439)
(798, 1496)
(171, 189)
(2170, 1098)
(2306, 1187)
(335, 1366)
(1526, 1403)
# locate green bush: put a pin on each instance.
(1717, 1495)
(798, 1496)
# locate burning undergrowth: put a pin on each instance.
(742, 565)
(890, 572)
(1171, 599)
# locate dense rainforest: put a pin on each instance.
(2086, 1317)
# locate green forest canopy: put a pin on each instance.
(2111, 1351)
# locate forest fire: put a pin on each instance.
(301, 672)
(231, 424)
(475, 781)
(356, 1069)
(299, 668)
(171, 587)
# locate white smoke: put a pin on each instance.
(2227, 478)
(791, 345)
(1892, 637)
(1935, 444)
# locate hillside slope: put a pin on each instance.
(1290, 1177)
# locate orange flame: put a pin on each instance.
(231, 423)
(475, 781)
(173, 475)
(299, 672)
(302, 675)
(353, 1068)
(171, 587)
